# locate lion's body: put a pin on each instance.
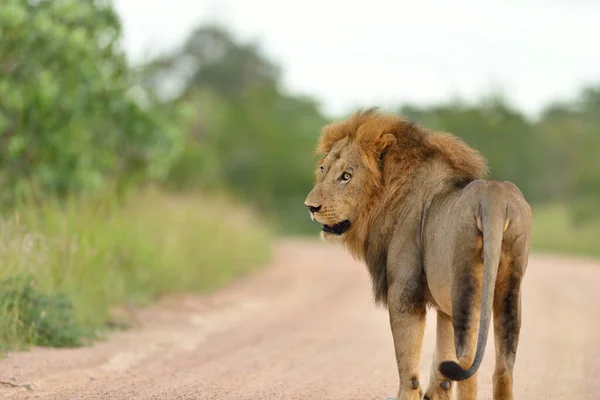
(431, 231)
(451, 229)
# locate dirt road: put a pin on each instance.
(306, 328)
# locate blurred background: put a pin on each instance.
(158, 147)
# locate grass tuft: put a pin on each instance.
(42, 319)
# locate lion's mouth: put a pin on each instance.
(337, 229)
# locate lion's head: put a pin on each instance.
(369, 160)
(348, 176)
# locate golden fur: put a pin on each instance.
(413, 205)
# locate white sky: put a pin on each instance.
(388, 52)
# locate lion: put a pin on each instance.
(415, 206)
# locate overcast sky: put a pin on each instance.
(387, 52)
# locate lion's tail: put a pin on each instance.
(493, 219)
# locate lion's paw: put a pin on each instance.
(443, 391)
(409, 395)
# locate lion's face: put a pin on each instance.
(341, 185)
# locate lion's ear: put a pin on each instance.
(385, 141)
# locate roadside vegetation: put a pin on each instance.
(71, 270)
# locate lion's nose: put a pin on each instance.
(313, 209)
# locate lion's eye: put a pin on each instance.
(345, 177)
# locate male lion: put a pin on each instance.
(411, 203)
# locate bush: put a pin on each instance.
(41, 319)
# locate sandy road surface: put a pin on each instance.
(306, 328)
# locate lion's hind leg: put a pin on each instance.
(466, 310)
(507, 324)
(440, 388)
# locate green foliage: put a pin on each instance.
(76, 123)
(44, 319)
(90, 257)
(268, 161)
(72, 115)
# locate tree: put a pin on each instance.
(210, 58)
(72, 115)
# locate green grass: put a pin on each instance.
(63, 268)
(555, 230)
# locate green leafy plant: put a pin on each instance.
(44, 319)
(73, 115)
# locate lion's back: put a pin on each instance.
(497, 193)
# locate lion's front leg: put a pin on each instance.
(408, 324)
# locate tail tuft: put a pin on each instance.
(453, 371)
